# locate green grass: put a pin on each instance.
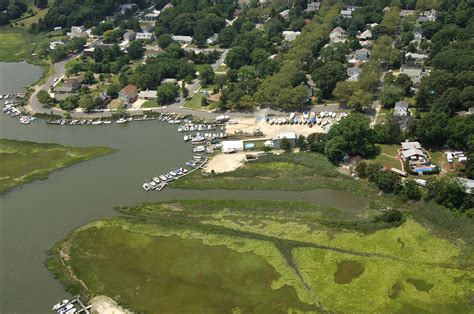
(150, 104)
(387, 155)
(17, 45)
(261, 256)
(195, 103)
(296, 171)
(23, 162)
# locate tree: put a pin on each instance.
(207, 75)
(388, 182)
(292, 98)
(457, 131)
(431, 129)
(237, 57)
(285, 145)
(164, 41)
(167, 93)
(316, 142)
(86, 102)
(449, 102)
(113, 90)
(89, 78)
(361, 169)
(335, 149)
(135, 50)
(301, 143)
(447, 191)
(390, 95)
(226, 37)
(404, 82)
(411, 191)
(356, 134)
(44, 98)
(327, 76)
(76, 43)
(388, 132)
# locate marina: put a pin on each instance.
(71, 307)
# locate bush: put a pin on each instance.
(392, 217)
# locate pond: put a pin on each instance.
(347, 271)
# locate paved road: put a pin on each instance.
(60, 68)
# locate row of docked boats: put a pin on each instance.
(171, 118)
(14, 112)
(159, 183)
(199, 127)
(64, 307)
(198, 137)
(307, 118)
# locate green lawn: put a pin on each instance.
(150, 104)
(195, 103)
(221, 256)
(386, 157)
(23, 162)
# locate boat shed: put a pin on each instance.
(290, 136)
(232, 146)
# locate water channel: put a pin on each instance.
(35, 216)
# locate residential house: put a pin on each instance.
(414, 71)
(232, 146)
(182, 39)
(428, 16)
(290, 35)
(128, 95)
(469, 184)
(470, 111)
(147, 95)
(412, 151)
(313, 6)
(417, 35)
(124, 8)
(405, 13)
(417, 57)
(152, 16)
(169, 5)
(402, 114)
(214, 97)
(362, 55)
(367, 34)
(347, 12)
(337, 35)
(129, 35)
(144, 36)
(151, 53)
(212, 40)
(353, 73)
(73, 82)
(77, 31)
(290, 136)
(285, 14)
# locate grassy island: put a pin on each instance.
(23, 162)
(267, 256)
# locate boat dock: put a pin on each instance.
(73, 306)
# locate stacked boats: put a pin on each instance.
(307, 118)
(64, 307)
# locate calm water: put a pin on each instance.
(37, 215)
(15, 75)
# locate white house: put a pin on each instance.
(313, 6)
(290, 35)
(147, 95)
(212, 40)
(365, 35)
(428, 16)
(285, 14)
(182, 39)
(353, 73)
(347, 12)
(144, 36)
(337, 35)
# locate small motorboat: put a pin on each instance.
(168, 176)
(146, 186)
(156, 179)
(152, 184)
(107, 122)
(173, 173)
(163, 178)
(186, 138)
(183, 170)
(121, 120)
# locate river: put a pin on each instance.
(35, 216)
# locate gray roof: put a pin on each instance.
(401, 109)
(412, 152)
(410, 145)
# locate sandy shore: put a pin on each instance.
(104, 304)
(226, 162)
(270, 131)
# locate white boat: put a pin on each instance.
(146, 186)
(71, 311)
(172, 173)
(152, 184)
(183, 170)
(198, 149)
(96, 122)
(163, 178)
(186, 138)
(121, 120)
(168, 176)
(161, 186)
(107, 122)
(156, 179)
(198, 138)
